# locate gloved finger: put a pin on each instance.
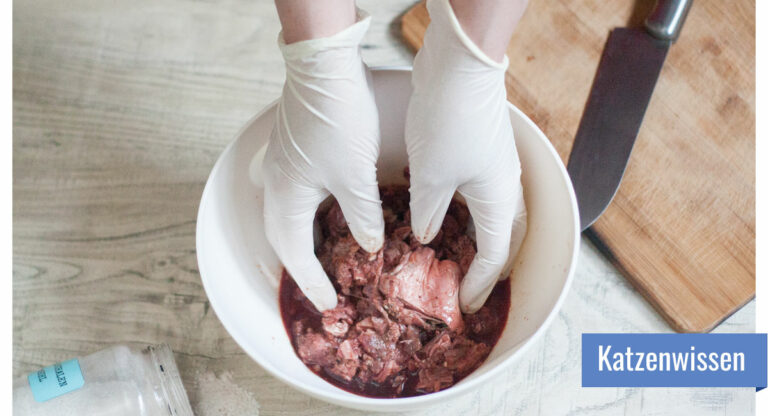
(429, 203)
(361, 207)
(491, 204)
(519, 230)
(289, 212)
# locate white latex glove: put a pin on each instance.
(325, 139)
(459, 137)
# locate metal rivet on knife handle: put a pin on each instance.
(667, 18)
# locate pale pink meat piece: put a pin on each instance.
(427, 285)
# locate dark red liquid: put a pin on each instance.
(293, 309)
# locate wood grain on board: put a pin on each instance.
(682, 226)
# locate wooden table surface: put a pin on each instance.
(120, 110)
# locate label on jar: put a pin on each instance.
(55, 380)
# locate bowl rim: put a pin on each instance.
(384, 404)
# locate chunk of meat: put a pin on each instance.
(369, 367)
(390, 368)
(380, 369)
(335, 223)
(434, 351)
(394, 253)
(464, 355)
(482, 322)
(350, 264)
(450, 227)
(336, 321)
(345, 370)
(348, 359)
(399, 312)
(349, 350)
(398, 383)
(376, 323)
(401, 233)
(427, 285)
(410, 342)
(378, 339)
(374, 344)
(445, 355)
(460, 213)
(367, 307)
(432, 379)
(314, 348)
(463, 252)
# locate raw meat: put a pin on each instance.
(427, 285)
(397, 329)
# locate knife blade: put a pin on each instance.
(626, 76)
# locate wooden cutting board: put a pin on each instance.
(682, 226)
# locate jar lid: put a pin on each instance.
(170, 380)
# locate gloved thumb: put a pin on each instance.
(493, 208)
(519, 230)
(289, 212)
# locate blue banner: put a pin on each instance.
(674, 360)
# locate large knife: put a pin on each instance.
(623, 85)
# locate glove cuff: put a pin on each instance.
(442, 16)
(347, 38)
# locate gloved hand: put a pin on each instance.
(459, 137)
(325, 139)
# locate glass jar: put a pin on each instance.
(117, 381)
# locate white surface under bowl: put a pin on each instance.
(240, 271)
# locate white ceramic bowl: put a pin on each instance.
(240, 271)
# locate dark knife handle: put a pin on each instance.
(667, 18)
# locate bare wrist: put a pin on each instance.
(489, 23)
(312, 19)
